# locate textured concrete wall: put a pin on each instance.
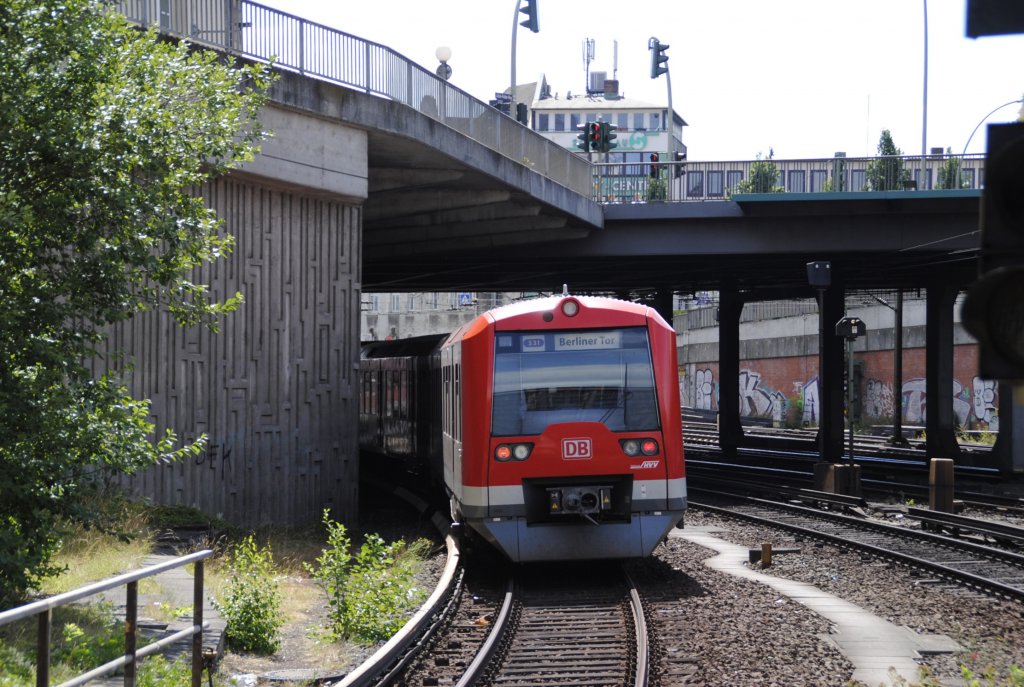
(275, 389)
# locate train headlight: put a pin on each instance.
(636, 447)
(570, 308)
(506, 452)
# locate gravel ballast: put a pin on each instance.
(742, 632)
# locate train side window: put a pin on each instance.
(446, 414)
(396, 393)
(458, 401)
(403, 398)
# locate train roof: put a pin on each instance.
(546, 303)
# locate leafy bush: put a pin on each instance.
(252, 603)
(84, 637)
(763, 177)
(368, 594)
(990, 678)
(331, 571)
(157, 671)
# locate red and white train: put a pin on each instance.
(553, 423)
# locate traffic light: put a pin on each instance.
(994, 309)
(655, 170)
(608, 136)
(531, 16)
(680, 165)
(583, 137)
(658, 58)
(594, 136)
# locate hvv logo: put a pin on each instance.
(577, 449)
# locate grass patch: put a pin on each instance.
(95, 551)
(83, 637)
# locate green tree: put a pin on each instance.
(763, 177)
(949, 173)
(107, 132)
(887, 173)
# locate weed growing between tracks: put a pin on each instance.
(371, 592)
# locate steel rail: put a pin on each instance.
(640, 626)
(494, 638)
(1016, 592)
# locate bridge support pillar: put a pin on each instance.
(663, 304)
(830, 377)
(730, 431)
(939, 420)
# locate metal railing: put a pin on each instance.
(44, 610)
(633, 182)
(257, 32)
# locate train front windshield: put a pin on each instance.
(548, 377)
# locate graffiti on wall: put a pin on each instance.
(878, 399)
(975, 406)
(970, 406)
(985, 392)
(812, 405)
(704, 390)
(760, 401)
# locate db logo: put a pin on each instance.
(575, 449)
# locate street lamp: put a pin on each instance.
(924, 106)
(443, 54)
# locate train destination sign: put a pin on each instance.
(588, 341)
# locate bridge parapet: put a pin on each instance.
(261, 33)
(632, 182)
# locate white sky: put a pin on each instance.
(804, 77)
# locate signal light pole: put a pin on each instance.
(659, 66)
(531, 23)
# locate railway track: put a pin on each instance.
(574, 625)
(994, 519)
(988, 569)
(552, 626)
(702, 436)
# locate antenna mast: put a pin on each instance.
(615, 59)
(588, 56)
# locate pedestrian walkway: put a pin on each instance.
(174, 590)
(874, 645)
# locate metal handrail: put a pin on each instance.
(257, 32)
(681, 181)
(44, 610)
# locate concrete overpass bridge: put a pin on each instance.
(382, 177)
